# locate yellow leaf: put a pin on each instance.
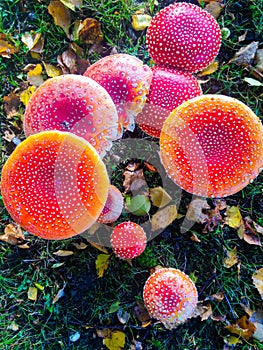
(210, 69)
(32, 293)
(63, 253)
(61, 15)
(102, 263)
(51, 70)
(231, 258)
(6, 49)
(72, 4)
(141, 21)
(33, 41)
(13, 235)
(258, 281)
(159, 197)
(116, 340)
(26, 94)
(233, 217)
(34, 76)
(164, 217)
(39, 286)
(244, 328)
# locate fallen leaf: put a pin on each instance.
(218, 297)
(133, 180)
(60, 14)
(231, 341)
(102, 263)
(70, 62)
(233, 217)
(258, 228)
(247, 233)
(231, 258)
(195, 238)
(159, 197)
(11, 103)
(218, 318)
(103, 333)
(33, 41)
(12, 235)
(60, 294)
(136, 345)
(150, 167)
(98, 246)
(34, 76)
(220, 203)
(80, 246)
(26, 94)
(88, 31)
(164, 217)
(243, 328)
(39, 286)
(123, 316)
(245, 56)
(252, 82)
(141, 21)
(138, 205)
(213, 220)
(242, 37)
(63, 252)
(132, 166)
(203, 310)
(52, 71)
(257, 319)
(6, 49)
(258, 281)
(214, 8)
(141, 313)
(259, 60)
(115, 340)
(210, 69)
(32, 293)
(57, 265)
(196, 210)
(114, 307)
(72, 4)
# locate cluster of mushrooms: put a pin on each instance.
(55, 183)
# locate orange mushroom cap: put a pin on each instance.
(212, 145)
(127, 80)
(169, 88)
(54, 184)
(170, 296)
(128, 240)
(77, 104)
(113, 207)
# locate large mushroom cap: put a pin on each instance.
(183, 35)
(77, 104)
(170, 296)
(127, 80)
(169, 88)
(212, 145)
(128, 240)
(54, 184)
(113, 207)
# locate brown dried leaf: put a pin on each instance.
(61, 15)
(214, 8)
(80, 246)
(141, 313)
(61, 252)
(258, 281)
(218, 297)
(159, 197)
(71, 63)
(6, 49)
(134, 180)
(245, 56)
(12, 235)
(33, 41)
(247, 233)
(72, 4)
(88, 31)
(243, 328)
(257, 319)
(258, 228)
(99, 247)
(203, 310)
(11, 103)
(195, 238)
(164, 217)
(59, 294)
(231, 258)
(196, 210)
(259, 60)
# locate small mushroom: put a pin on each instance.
(170, 296)
(127, 80)
(169, 88)
(128, 240)
(77, 104)
(113, 207)
(54, 185)
(184, 36)
(212, 145)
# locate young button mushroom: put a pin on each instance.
(113, 207)
(127, 80)
(128, 240)
(169, 88)
(54, 185)
(184, 36)
(77, 104)
(170, 296)
(212, 145)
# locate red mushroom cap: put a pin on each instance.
(169, 88)
(183, 35)
(54, 184)
(127, 80)
(170, 296)
(113, 207)
(212, 145)
(77, 104)
(128, 240)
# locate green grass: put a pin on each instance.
(42, 324)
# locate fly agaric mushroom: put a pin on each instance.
(113, 207)
(184, 36)
(170, 296)
(77, 104)
(127, 80)
(169, 88)
(54, 184)
(212, 145)
(128, 240)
